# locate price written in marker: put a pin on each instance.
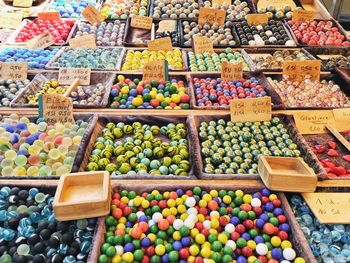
(303, 15)
(43, 40)
(202, 44)
(342, 119)
(56, 108)
(142, 22)
(297, 70)
(163, 43)
(92, 15)
(329, 208)
(211, 16)
(255, 109)
(85, 41)
(166, 25)
(221, 2)
(49, 16)
(257, 19)
(10, 20)
(14, 70)
(313, 121)
(155, 70)
(231, 71)
(23, 3)
(67, 75)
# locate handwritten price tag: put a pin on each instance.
(231, 71)
(211, 16)
(67, 75)
(23, 3)
(329, 208)
(92, 15)
(257, 109)
(297, 70)
(166, 25)
(10, 20)
(257, 19)
(313, 121)
(303, 15)
(163, 43)
(221, 2)
(342, 119)
(43, 40)
(13, 70)
(85, 41)
(202, 44)
(155, 70)
(143, 22)
(49, 16)
(56, 108)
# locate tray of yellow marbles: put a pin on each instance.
(94, 95)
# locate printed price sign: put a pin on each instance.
(211, 16)
(10, 20)
(49, 16)
(43, 40)
(92, 15)
(23, 3)
(143, 22)
(297, 70)
(231, 71)
(276, 3)
(221, 2)
(202, 44)
(155, 70)
(163, 43)
(257, 19)
(85, 41)
(13, 70)
(313, 121)
(329, 208)
(166, 25)
(256, 109)
(303, 15)
(56, 108)
(67, 75)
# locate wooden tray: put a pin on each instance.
(129, 33)
(82, 195)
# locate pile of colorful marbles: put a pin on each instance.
(29, 231)
(197, 226)
(88, 95)
(122, 9)
(38, 149)
(9, 89)
(235, 11)
(70, 9)
(155, 94)
(234, 148)
(175, 9)
(141, 149)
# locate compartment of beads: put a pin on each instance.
(37, 150)
(137, 37)
(9, 89)
(71, 9)
(173, 33)
(168, 9)
(122, 9)
(94, 95)
(188, 230)
(164, 151)
(203, 84)
(130, 92)
(331, 57)
(232, 151)
(331, 92)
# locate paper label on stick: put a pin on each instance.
(14, 70)
(329, 208)
(163, 43)
(276, 3)
(202, 44)
(313, 121)
(49, 16)
(211, 16)
(166, 25)
(67, 75)
(84, 41)
(257, 19)
(297, 70)
(10, 20)
(155, 70)
(43, 40)
(255, 109)
(143, 22)
(303, 15)
(56, 108)
(221, 2)
(342, 119)
(92, 15)
(23, 3)
(231, 71)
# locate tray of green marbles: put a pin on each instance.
(101, 58)
(209, 91)
(94, 95)
(174, 9)
(222, 36)
(36, 150)
(212, 61)
(135, 59)
(130, 92)
(227, 150)
(331, 57)
(137, 37)
(222, 210)
(109, 33)
(31, 233)
(10, 88)
(141, 147)
(122, 9)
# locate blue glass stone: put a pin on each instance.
(24, 222)
(51, 218)
(3, 215)
(87, 236)
(33, 191)
(63, 249)
(340, 259)
(8, 234)
(345, 252)
(336, 236)
(3, 204)
(51, 251)
(5, 191)
(334, 249)
(85, 247)
(69, 259)
(28, 231)
(316, 236)
(35, 217)
(46, 212)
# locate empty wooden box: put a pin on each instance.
(82, 195)
(287, 174)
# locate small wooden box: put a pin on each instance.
(287, 174)
(82, 195)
